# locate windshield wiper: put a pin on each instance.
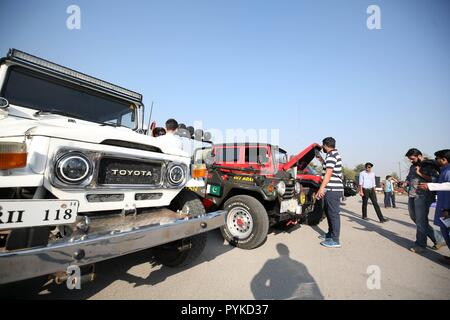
(58, 112)
(115, 125)
(74, 115)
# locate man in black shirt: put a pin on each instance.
(419, 202)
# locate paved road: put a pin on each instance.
(289, 266)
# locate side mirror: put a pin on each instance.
(4, 104)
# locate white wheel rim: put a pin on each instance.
(240, 223)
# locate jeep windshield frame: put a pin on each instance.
(279, 155)
(43, 92)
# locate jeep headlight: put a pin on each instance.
(176, 175)
(298, 187)
(281, 188)
(73, 168)
(302, 198)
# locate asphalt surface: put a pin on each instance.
(374, 263)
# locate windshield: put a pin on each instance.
(29, 89)
(311, 170)
(227, 155)
(279, 156)
(256, 155)
(203, 156)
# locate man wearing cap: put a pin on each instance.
(367, 191)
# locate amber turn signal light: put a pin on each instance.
(13, 155)
(199, 171)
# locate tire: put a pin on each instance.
(171, 256)
(316, 215)
(253, 226)
(183, 252)
(187, 202)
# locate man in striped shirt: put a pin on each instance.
(331, 190)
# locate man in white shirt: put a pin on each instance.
(367, 191)
(170, 139)
(445, 186)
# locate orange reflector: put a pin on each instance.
(199, 171)
(12, 155)
(271, 188)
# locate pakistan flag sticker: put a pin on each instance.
(214, 190)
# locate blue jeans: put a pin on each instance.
(419, 208)
(332, 211)
(445, 234)
(389, 197)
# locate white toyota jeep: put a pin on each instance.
(80, 182)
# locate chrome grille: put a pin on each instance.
(114, 171)
(290, 192)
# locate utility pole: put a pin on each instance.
(399, 171)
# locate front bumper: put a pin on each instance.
(30, 263)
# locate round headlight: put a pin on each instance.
(73, 168)
(298, 187)
(302, 198)
(176, 175)
(281, 188)
(4, 104)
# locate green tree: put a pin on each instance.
(349, 174)
(359, 168)
(316, 167)
(395, 175)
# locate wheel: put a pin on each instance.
(316, 214)
(187, 202)
(183, 252)
(247, 222)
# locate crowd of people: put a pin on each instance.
(424, 179)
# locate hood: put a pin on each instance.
(304, 158)
(56, 126)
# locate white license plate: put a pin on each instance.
(289, 206)
(34, 213)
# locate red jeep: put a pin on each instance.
(258, 186)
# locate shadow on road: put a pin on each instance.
(406, 224)
(319, 230)
(284, 279)
(383, 210)
(282, 229)
(113, 270)
(392, 236)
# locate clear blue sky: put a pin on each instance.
(309, 68)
